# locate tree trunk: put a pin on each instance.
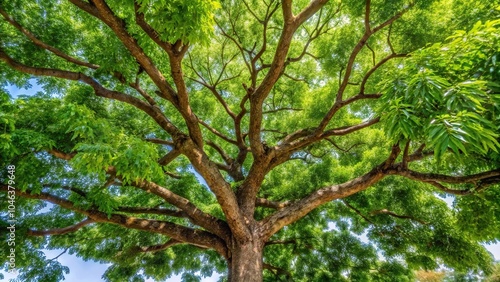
(246, 262)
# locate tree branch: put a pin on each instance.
(352, 58)
(67, 188)
(158, 211)
(273, 223)
(304, 137)
(281, 242)
(160, 141)
(59, 154)
(213, 89)
(181, 233)
(341, 149)
(297, 210)
(377, 66)
(393, 18)
(169, 157)
(349, 129)
(393, 214)
(150, 31)
(43, 45)
(61, 231)
(479, 181)
(277, 270)
(227, 159)
(309, 11)
(175, 53)
(183, 98)
(263, 155)
(318, 30)
(99, 90)
(257, 97)
(262, 202)
(207, 221)
(157, 248)
(474, 178)
(101, 10)
(282, 109)
(367, 15)
(217, 133)
(358, 212)
(59, 255)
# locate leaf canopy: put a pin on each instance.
(348, 140)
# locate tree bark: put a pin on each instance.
(245, 263)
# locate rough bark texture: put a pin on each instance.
(246, 262)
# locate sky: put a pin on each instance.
(14, 91)
(84, 271)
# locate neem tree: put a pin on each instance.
(255, 138)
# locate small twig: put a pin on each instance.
(169, 157)
(61, 155)
(357, 211)
(341, 149)
(216, 132)
(63, 252)
(387, 212)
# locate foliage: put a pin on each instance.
(190, 21)
(451, 100)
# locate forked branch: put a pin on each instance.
(351, 61)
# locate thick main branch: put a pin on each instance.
(200, 218)
(299, 209)
(102, 11)
(99, 90)
(181, 233)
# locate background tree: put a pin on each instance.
(262, 137)
(429, 276)
(495, 275)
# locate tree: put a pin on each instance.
(429, 276)
(261, 137)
